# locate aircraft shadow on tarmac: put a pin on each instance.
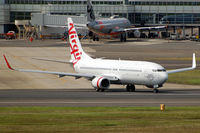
(164, 91)
(137, 91)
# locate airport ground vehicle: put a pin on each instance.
(10, 35)
(173, 36)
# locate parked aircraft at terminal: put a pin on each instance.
(113, 26)
(103, 72)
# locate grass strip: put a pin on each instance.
(188, 77)
(99, 119)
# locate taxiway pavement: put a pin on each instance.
(89, 98)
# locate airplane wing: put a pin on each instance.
(145, 28)
(185, 69)
(62, 74)
(78, 26)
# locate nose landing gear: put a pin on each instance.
(155, 90)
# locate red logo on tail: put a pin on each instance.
(74, 47)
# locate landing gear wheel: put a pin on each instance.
(133, 89)
(123, 37)
(97, 90)
(130, 88)
(127, 89)
(155, 90)
(95, 38)
(102, 90)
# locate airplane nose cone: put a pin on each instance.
(163, 77)
(90, 25)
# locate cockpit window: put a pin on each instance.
(159, 70)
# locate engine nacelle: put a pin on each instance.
(101, 83)
(137, 34)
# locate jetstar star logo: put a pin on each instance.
(73, 44)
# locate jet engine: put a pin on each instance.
(100, 83)
(137, 34)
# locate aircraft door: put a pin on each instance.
(115, 68)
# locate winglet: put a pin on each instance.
(7, 63)
(194, 61)
(185, 69)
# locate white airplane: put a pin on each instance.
(103, 72)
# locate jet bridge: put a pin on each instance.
(53, 26)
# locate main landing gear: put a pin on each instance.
(130, 88)
(100, 90)
(123, 37)
(95, 38)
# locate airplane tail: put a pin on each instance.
(90, 12)
(76, 50)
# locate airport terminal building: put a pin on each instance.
(139, 12)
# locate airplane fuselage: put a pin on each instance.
(129, 72)
(109, 26)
